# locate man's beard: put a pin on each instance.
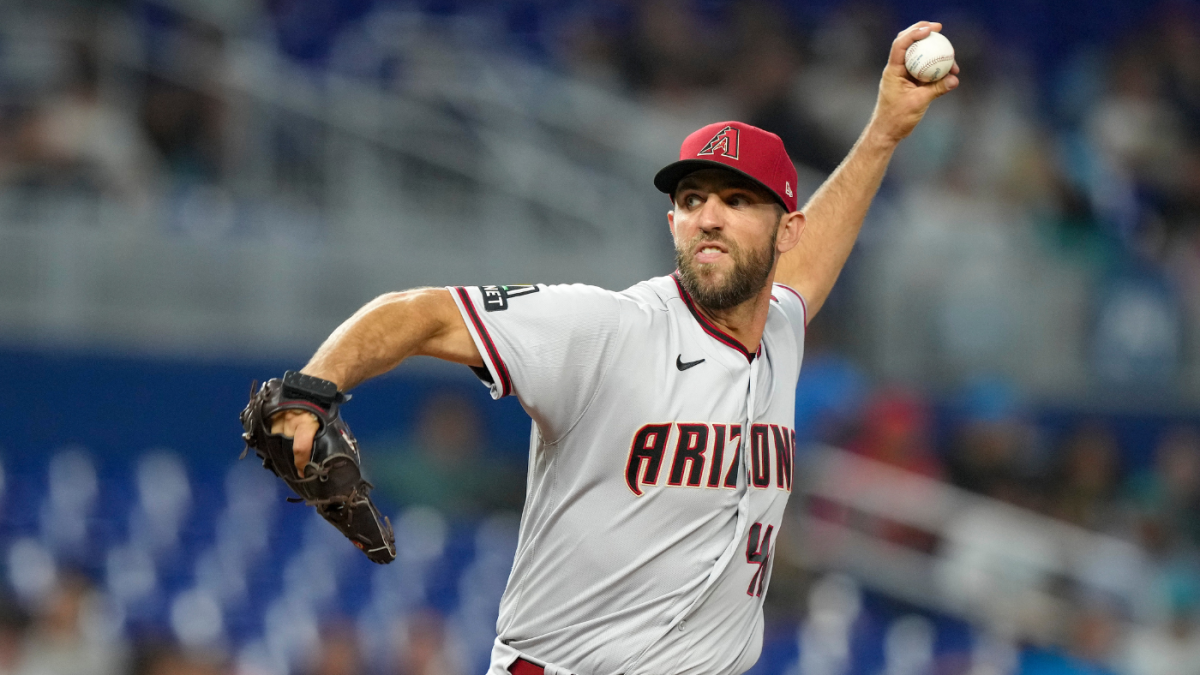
(747, 279)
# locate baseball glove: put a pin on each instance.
(332, 481)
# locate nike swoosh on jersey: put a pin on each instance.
(684, 366)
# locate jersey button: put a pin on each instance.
(682, 626)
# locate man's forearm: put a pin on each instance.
(388, 330)
(374, 340)
(834, 215)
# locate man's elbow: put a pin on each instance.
(413, 299)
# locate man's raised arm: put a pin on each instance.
(387, 330)
(835, 212)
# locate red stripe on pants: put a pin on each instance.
(523, 667)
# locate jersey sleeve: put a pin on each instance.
(795, 309)
(549, 345)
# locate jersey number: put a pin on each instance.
(758, 552)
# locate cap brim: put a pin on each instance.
(667, 179)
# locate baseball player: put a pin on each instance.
(662, 447)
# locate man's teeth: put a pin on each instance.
(710, 249)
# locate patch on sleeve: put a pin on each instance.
(495, 298)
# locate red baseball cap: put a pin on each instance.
(744, 149)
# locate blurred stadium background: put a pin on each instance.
(1001, 467)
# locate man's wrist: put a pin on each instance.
(324, 374)
(877, 137)
(311, 388)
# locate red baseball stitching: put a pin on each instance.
(937, 60)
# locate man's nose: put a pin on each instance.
(709, 217)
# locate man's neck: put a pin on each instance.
(745, 322)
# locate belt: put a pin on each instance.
(523, 667)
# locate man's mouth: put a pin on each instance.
(709, 253)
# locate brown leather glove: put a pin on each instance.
(332, 481)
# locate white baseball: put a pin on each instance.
(930, 59)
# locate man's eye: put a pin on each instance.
(692, 201)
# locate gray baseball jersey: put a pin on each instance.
(659, 466)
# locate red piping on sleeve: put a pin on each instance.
(798, 297)
(492, 353)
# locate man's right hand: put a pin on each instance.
(301, 427)
(902, 100)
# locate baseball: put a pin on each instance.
(930, 59)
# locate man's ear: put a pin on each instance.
(790, 227)
(671, 221)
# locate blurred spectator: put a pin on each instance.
(181, 115)
(1179, 30)
(896, 430)
(1166, 497)
(840, 80)
(1170, 644)
(992, 450)
(80, 139)
(156, 658)
(1138, 134)
(1138, 334)
(760, 78)
(1093, 634)
(672, 54)
(1083, 489)
(825, 637)
(14, 623)
(339, 652)
(448, 463)
(1063, 210)
(832, 390)
(587, 44)
(182, 123)
(997, 562)
(60, 642)
(425, 649)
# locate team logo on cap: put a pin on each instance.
(726, 141)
